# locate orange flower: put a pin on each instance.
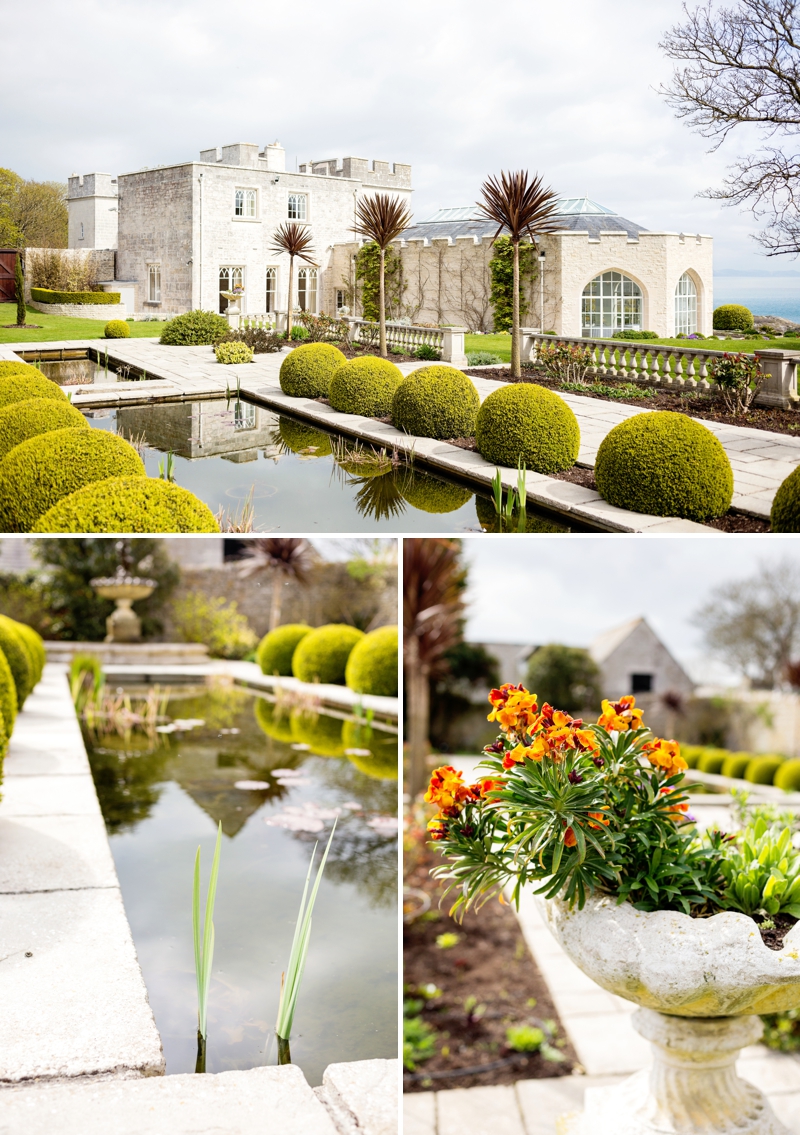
(569, 838)
(557, 741)
(437, 828)
(665, 755)
(620, 715)
(482, 788)
(602, 817)
(448, 790)
(676, 812)
(513, 708)
(517, 755)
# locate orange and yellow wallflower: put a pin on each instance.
(665, 755)
(620, 715)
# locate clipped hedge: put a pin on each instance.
(129, 504)
(711, 762)
(31, 383)
(437, 401)
(322, 655)
(299, 438)
(117, 329)
(527, 424)
(36, 650)
(275, 651)
(429, 494)
(270, 721)
(665, 464)
(736, 764)
(306, 372)
(732, 317)
(321, 733)
(40, 472)
(195, 329)
(47, 295)
(372, 751)
(22, 420)
(11, 366)
(762, 769)
(788, 776)
(13, 647)
(785, 512)
(372, 665)
(365, 386)
(8, 695)
(233, 353)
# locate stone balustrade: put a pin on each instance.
(449, 341)
(673, 368)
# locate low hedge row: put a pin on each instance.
(47, 295)
(22, 659)
(370, 750)
(755, 768)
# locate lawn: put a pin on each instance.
(54, 327)
(501, 344)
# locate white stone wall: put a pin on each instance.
(92, 207)
(641, 652)
(106, 311)
(155, 227)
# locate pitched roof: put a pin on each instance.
(607, 642)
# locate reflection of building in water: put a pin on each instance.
(235, 430)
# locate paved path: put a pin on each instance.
(761, 460)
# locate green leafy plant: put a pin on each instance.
(501, 270)
(166, 471)
(260, 340)
(521, 423)
(117, 329)
(419, 1038)
(129, 504)
(46, 295)
(216, 622)
(195, 328)
(19, 290)
(381, 219)
(323, 328)
(732, 317)
(428, 353)
(782, 1030)
(85, 678)
(228, 353)
(482, 358)
(565, 362)
(204, 945)
(762, 871)
(368, 270)
(295, 241)
(447, 940)
(739, 378)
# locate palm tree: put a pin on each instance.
(520, 206)
(433, 608)
(287, 559)
(294, 240)
(382, 219)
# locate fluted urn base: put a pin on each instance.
(692, 1088)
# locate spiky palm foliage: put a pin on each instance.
(287, 558)
(433, 610)
(520, 206)
(295, 241)
(381, 219)
(379, 498)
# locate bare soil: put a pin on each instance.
(773, 936)
(22, 326)
(355, 352)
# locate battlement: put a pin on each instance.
(91, 185)
(391, 174)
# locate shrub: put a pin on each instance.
(634, 335)
(762, 770)
(321, 733)
(321, 328)
(12, 366)
(372, 665)
(365, 386)
(46, 295)
(436, 402)
(298, 438)
(31, 383)
(273, 721)
(321, 656)
(85, 678)
(381, 761)
(13, 647)
(8, 695)
(306, 372)
(195, 328)
(565, 362)
(785, 512)
(22, 420)
(233, 353)
(527, 424)
(33, 641)
(482, 358)
(216, 622)
(275, 651)
(429, 494)
(41, 471)
(788, 776)
(298, 333)
(692, 754)
(665, 464)
(738, 378)
(117, 329)
(735, 765)
(259, 339)
(129, 504)
(712, 762)
(428, 353)
(732, 317)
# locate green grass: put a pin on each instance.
(55, 327)
(501, 344)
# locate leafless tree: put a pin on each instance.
(383, 219)
(287, 559)
(754, 624)
(294, 240)
(741, 66)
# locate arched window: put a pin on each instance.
(272, 289)
(611, 303)
(685, 306)
(229, 278)
(307, 289)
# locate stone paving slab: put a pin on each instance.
(363, 1096)
(54, 853)
(52, 795)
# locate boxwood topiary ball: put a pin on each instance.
(429, 494)
(22, 420)
(322, 655)
(129, 504)
(35, 645)
(8, 695)
(31, 383)
(665, 464)
(117, 329)
(306, 371)
(733, 317)
(14, 366)
(372, 751)
(436, 402)
(762, 770)
(372, 665)
(525, 423)
(275, 724)
(43, 470)
(304, 439)
(736, 765)
(275, 651)
(13, 647)
(365, 386)
(321, 733)
(788, 776)
(712, 762)
(785, 512)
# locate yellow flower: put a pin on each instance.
(620, 715)
(665, 755)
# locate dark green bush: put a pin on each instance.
(129, 504)
(321, 733)
(372, 665)
(732, 317)
(306, 372)
(429, 494)
(712, 762)
(43, 470)
(258, 339)
(299, 438)
(372, 751)
(13, 647)
(47, 295)
(427, 353)
(22, 420)
(735, 765)
(762, 770)
(525, 423)
(117, 329)
(365, 386)
(26, 384)
(275, 723)
(785, 512)
(436, 402)
(635, 335)
(274, 652)
(8, 695)
(194, 329)
(321, 656)
(788, 776)
(491, 522)
(665, 464)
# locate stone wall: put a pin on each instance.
(104, 311)
(102, 261)
(155, 227)
(92, 206)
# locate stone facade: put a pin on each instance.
(93, 204)
(632, 659)
(202, 429)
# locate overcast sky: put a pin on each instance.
(537, 590)
(459, 89)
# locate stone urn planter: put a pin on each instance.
(700, 983)
(123, 624)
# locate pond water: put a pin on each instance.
(266, 776)
(82, 368)
(300, 478)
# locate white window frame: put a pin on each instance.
(154, 282)
(249, 201)
(271, 293)
(308, 275)
(302, 215)
(686, 305)
(235, 276)
(82, 236)
(611, 302)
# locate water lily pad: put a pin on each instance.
(251, 785)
